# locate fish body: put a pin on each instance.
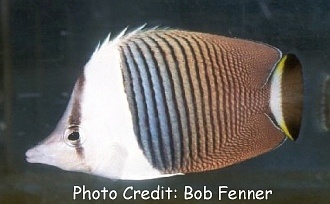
(155, 103)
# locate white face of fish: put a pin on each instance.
(99, 110)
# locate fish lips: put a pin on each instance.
(34, 155)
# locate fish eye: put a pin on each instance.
(73, 136)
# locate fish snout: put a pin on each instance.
(33, 155)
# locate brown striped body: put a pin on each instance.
(210, 92)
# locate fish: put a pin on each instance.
(154, 103)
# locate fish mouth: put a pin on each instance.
(38, 155)
(34, 156)
(30, 156)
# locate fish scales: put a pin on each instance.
(191, 85)
(154, 103)
(187, 63)
(210, 98)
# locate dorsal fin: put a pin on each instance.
(287, 95)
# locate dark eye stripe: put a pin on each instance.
(75, 115)
(80, 150)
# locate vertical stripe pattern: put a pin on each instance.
(192, 97)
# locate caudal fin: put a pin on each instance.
(286, 99)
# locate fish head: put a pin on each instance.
(87, 147)
(94, 134)
(63, 148)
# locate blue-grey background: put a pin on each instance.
(52, 40)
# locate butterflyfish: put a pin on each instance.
(161, 102)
